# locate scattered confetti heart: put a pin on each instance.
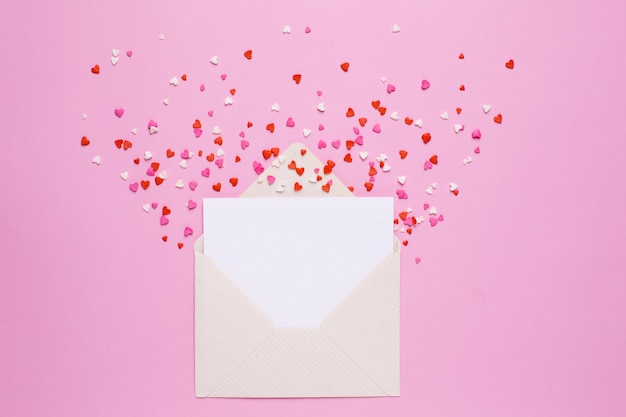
(425, 85)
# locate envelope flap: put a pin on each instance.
(366, 324)
(240, 321)
(286, 177)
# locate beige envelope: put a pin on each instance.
(354, 353)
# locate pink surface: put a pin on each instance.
(518, 305)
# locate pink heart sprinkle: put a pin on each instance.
(376, 128)
(244, 144)
(359, 140)
(258, 168)
(210, 113)
(402, 195)
(372, 179)
(185, 154)
(223, 77)
(440, 217)
(316, 170)
(307, 30)
(193, 185)
(371, 163)
(202, 87)
(290, 122)
(155, 205)
(219, 163)
(321, 144)
(320, 127)
(150, 172)
(390, 88)
(477, 150)
(188, 231)
(418, 260)
(428, 165)
(433, 221)
(426, 206)
(476, 134)
(425, 84)
(242, 134)
(191, 204)
(271, 179)
(119, 112)
(129, 53)
(206, 172)
(356, 130)
(319, 93)
(408, 222)
(336, 144)
(164, 220)
(152, 123)
(197, 132)
(330, 182)
(134, 187)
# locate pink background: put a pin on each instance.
(518, 305)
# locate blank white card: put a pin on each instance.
(297, 258)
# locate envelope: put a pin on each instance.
(240, 353)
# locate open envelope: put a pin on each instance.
(240, 353)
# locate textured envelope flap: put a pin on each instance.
(282, 172)
(366, 324)
(229, 326)
(298, 363)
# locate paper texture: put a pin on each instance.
(241, 353)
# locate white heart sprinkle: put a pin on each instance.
(313, 179)
(114, 60)
(434, 185)
(418, 123)
(174, 81)
(147, 155)
(286, 30)
(220, 152)
(183, 164)
(281, 159)
(430, 190)
(133, 131)
(486, 108)
(215, 60)
(190, 155)
(259, 180)
(146, 207)
(458, 128)
(84, 116)
(409, 210)
(216, 130)
(321, 107)
(96, 160)
(382, 157)
(432, 210)
(394, 115)
(275, 163)
(402, 179)
(386, 167)
(153, 129)
(124, 175)
(161, 37)
(402, 229)
(444, 115)
(383, 79)
(281, 186)
(166, 101)
(395, 29)
(228, 101)
(363, 155)
(180, 184)
(115, 52)
(163, 175)
(453, 186)
(467, 160)
(306, 132)
(419, 220)
(275, 107)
